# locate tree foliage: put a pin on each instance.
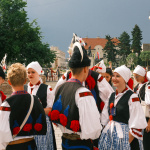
(124, 46)
(145, 56)
(132, 59)
(136, 40)
(110, 49)
(20, 39)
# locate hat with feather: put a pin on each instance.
(79, 57)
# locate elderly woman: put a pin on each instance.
(123, 116)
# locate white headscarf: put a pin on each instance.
(124, 72)
(148, 75)
(140, 70)
(36, 66)
(102, 66)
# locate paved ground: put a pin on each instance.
(58, 132)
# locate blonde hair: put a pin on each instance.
(17, 74)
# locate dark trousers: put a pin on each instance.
(31, 145)
(146, 140)
(135, 144)
(76, 144)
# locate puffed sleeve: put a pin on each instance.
(137, 120)
(50, 96)
(104, 114)
(5, 133)
(104, 88)
(62, 80)
(89, 116)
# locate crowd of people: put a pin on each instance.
(95, 108)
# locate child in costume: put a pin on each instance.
(46, 96)
(22, 115)
(123, 116)
(2, 79)
(74, 109)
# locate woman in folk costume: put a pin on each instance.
(45, 94)
(2, 79)
(123, 116)
(140, 76)
(145, 102)
(74, 109)
(22, 115)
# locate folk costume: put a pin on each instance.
(46, 96)
(122, 114)
(144, 95)
(76, 114)
(2, 95)
(12, 113)
(142, 72)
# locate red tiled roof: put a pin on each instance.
(97, 41)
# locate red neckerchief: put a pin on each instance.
(122, 91)
(19, 92)
(35, 84)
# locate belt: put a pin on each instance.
(71, 136)
(20, 141)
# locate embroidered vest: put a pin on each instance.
(36, 123)
(64, 110)
(136, 88)
(97, 97)
(41, 93)
(122, 107)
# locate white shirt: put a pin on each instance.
(89, 116)
(50, 94)
(137, 118)
(104, 87)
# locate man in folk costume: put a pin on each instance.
(140, 76)
(74, 109)
(123, 116)
(145, 102)
(95, 82)
(22, 115)
(2, 79)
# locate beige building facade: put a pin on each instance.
(60, 60)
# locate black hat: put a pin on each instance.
(79, 57)
(2, 74)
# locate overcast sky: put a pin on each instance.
(59, 19)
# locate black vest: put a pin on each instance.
(41, 93)
(142, 93)
(20, 105)
(67, 92)
(122, 107)
(95, 76)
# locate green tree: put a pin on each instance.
(110, 49)
(136, 40)
(124, 46)
(145, 56)
(20, 39)
(132, 60)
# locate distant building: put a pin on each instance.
(95, 46)
(146, 47)
(60, 58)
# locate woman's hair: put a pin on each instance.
(109, 71)
(17, 74)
